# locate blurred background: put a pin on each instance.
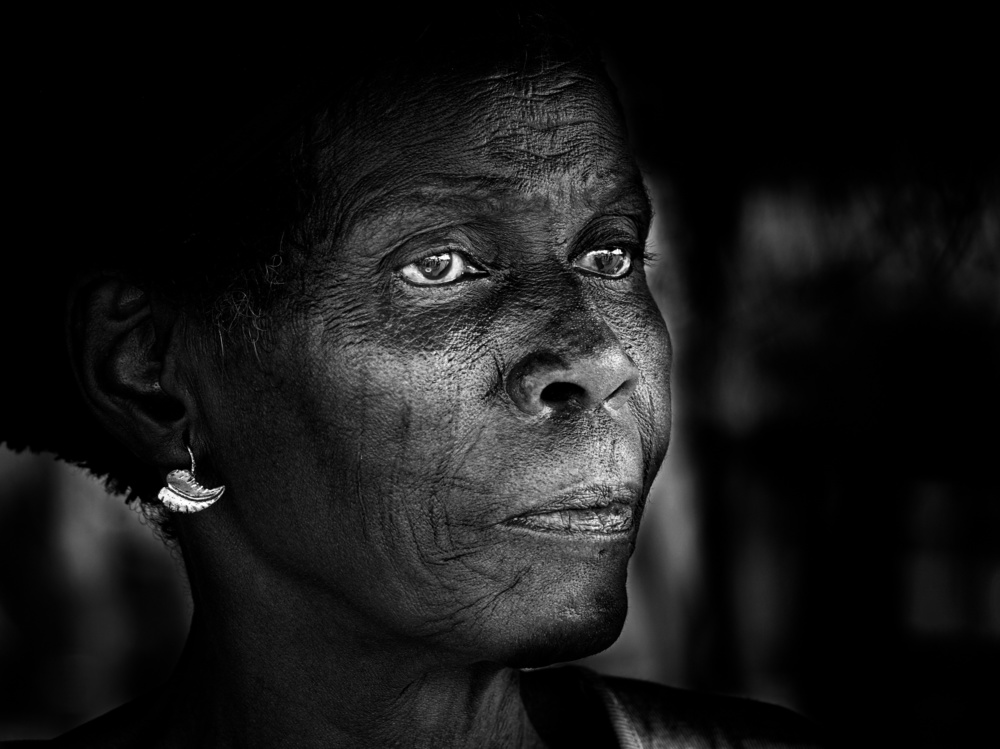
(825, 533)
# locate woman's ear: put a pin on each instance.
(117, 352)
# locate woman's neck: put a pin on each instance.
(286, 672)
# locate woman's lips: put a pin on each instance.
(614, 519)
(598, 510)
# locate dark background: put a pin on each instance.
(826, 531)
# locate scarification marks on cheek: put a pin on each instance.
(359, 492)
(473, 608)
(496, 600)
(453, 461)
(464, 582)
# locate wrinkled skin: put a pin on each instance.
(401, 450)
(379, 442)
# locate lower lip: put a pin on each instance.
(613, 520)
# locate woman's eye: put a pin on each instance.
(612, 262)
(439, 269)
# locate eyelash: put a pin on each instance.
(623, 232)
(644, 255)
(636, 250)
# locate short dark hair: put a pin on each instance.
(195, 172)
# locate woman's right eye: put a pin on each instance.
(439, 269)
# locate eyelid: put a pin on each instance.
(445, 236)
(409, 254)
(624, 231)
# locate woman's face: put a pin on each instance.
(453, 440)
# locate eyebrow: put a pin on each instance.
(446, 197)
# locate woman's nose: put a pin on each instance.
(545, 380)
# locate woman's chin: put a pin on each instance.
(569, 642)
(558, 633)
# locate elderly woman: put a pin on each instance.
(385, 365)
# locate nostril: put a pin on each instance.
(561, 393)
(617, 399)
(544, 381)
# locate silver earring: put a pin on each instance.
(183, 493)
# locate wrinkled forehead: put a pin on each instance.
(545, 131)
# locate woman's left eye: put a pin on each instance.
(439, 269)
(611, 262)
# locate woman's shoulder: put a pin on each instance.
(90, 734)
(130, 725)
(646, 714)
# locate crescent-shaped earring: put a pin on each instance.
(183, 493)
